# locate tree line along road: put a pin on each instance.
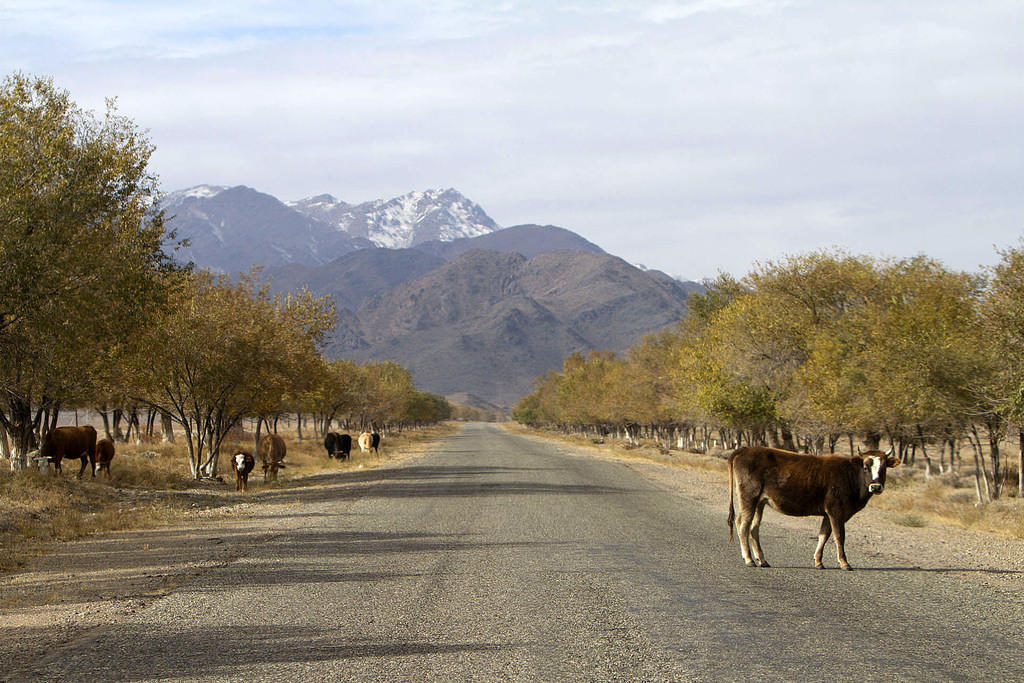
(496, 557)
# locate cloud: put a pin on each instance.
(690, 136)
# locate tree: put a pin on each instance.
(1003, 321)
(81, 248)
(228, 350)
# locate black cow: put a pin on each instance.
(338, 445)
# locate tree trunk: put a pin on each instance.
(117, 434)
(106, 423)
(1020, 465)
(298, 428)
(924, 454)
(167, 427)
(998, 475)
(979, 470)
(256, 443)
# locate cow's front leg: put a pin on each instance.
(823, 533)
(839, 531)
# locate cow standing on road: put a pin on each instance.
(799, 485)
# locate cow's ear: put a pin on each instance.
(858, 461)
(892, 461)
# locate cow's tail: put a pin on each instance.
(732, 512)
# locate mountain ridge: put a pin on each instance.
(479, 314)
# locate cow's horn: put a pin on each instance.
(858, 450)
(890, 451)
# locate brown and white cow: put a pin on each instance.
(272, 451)
(834, 486)
(70, 443)
(242, 462)
(104, 455)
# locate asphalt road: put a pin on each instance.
(496, 557)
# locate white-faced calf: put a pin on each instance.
(833, 486)
(242, 462)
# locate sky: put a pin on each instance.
(692, 136)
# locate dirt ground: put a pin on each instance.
(64, 593)
(62, 596)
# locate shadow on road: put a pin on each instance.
(169, 651)
(147, 563)
(937, 570)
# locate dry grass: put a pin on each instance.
(146, 491)
(950, 499)
(914, 502)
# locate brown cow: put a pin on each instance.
(242, 462)
(833, 486)
(104, 454)
(272, 451)
(72, 443)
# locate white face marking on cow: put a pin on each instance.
(876, 467)
(240, 462)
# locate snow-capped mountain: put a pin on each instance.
(232, 228)
(406, 221)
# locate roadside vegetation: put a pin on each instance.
(179, 363)
(151, 486)
(910, 499)
(829, 352)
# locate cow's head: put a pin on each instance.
(875, 463)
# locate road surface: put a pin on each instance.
(497, 557)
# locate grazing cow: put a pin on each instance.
(833, 486)
(338, 445)
(272, 451)
(104, 454)
(344, 447)
(242, 462)
(375, 443)
(331, 443)
(72, 443)
(365, 442)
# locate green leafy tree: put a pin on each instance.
(81, 250)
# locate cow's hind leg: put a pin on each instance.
(744, 519)
(81, 471)
(823, 533)
(755, 533)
